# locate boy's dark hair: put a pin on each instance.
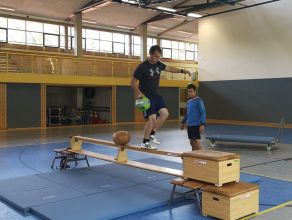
(192, 86)
(155, 48)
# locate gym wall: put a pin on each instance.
(245, 63)
(23, 105)
(125, 104)
(171, 98)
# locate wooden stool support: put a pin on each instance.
(122, 154)
(76, 144)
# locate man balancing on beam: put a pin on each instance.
(148, 75)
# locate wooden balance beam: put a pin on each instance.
(121, 139)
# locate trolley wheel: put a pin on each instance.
(212, 144)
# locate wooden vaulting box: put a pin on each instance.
(231, 201)
(211, 166)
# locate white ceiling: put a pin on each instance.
(116, 14)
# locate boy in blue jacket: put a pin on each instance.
(195, 117)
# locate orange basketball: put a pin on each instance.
(121, 137)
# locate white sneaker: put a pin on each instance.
(149, 146)
(154, 140)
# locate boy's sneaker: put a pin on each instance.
(154, 140)
(149, 146)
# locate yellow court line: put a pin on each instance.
(266, 176)
(268, 210)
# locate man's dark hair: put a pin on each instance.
(155, 48)
(192, 86)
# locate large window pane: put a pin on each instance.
(137, 50)
(196, 56)
(16, 36)
(136, 40)
(3, 22)
(51, 40)
(127, 39)
(106, 46)
(174, 54)
(2, 35)
(34, 38)
(16, 24)
(181, 45)
(166, 53)
(166, 43)
(51, 28)
(62, 30)
(127, 49)
(34, 26)
(119, 48)
(106, 36)
(62, 42)
(93, 34)
(119, 38)
(92, 45)
(71, 31)
(174, 44)
(190, 55)
(181, 55)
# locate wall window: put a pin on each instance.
(177, 50)
(17, 31)
(136, 45)
(150, 42)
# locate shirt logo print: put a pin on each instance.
(151, 72)
(157, 71)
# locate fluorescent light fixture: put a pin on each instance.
(160, 28)
(129, 1)
(194, 15)
(166, 9)
(184, 32)
(7, 9)
(126, 27)
(90, 22)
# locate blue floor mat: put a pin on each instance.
(85, 180)
(26, 199)
(127, 193)
(105, 205)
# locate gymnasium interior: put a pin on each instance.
(70, 133)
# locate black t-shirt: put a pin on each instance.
(149, 76)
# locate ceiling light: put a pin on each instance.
(126, 27)
(7, 9)
(90, 22)
(161, 28)
(129, 1)
(194, 15)
(184, 32)
(166, 9)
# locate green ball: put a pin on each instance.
(142, 104)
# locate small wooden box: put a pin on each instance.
(231, 201)
(211, 166)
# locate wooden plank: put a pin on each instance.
(129, 147)
(131, 163)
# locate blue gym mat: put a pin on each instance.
(87, 181)
(113, 190)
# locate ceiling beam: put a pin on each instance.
(181, 4)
